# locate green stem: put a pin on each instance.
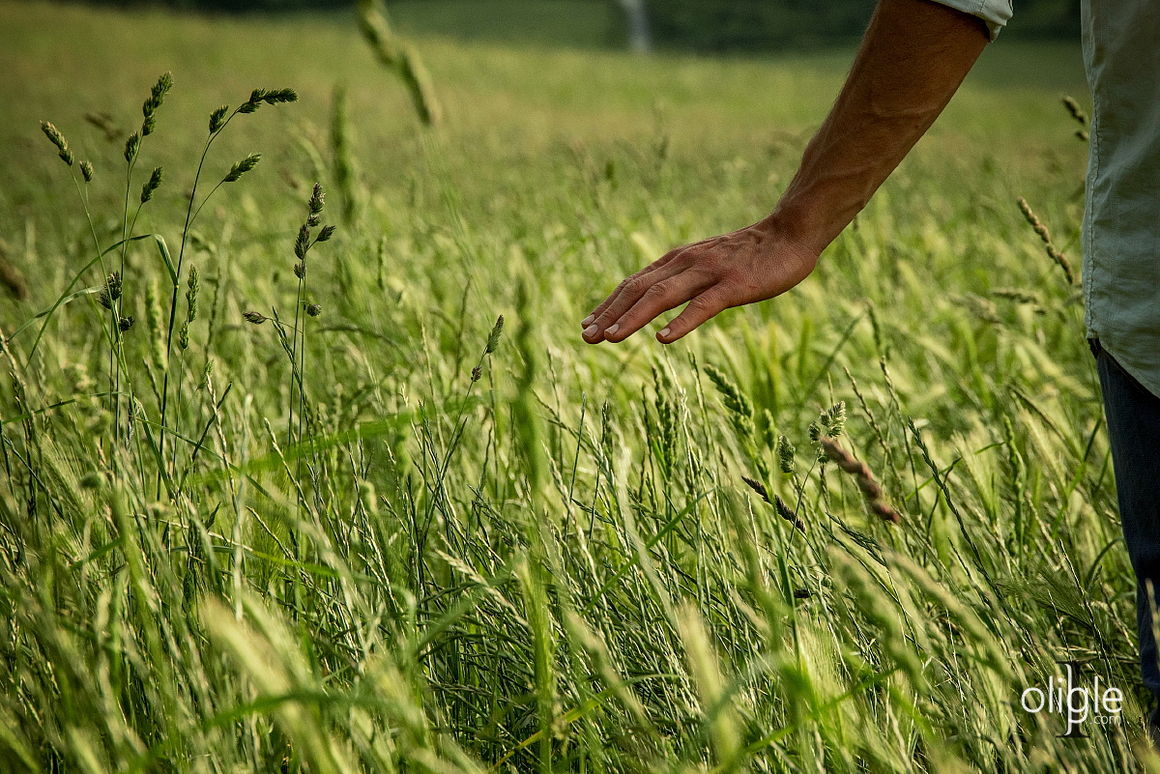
(189, 213)
(118, 344)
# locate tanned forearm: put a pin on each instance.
(913, 58)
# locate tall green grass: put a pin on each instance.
(415, 538)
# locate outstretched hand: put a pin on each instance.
(748, 265)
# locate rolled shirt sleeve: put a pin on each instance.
(994, 12)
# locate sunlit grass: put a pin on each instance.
(445, 545)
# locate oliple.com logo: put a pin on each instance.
(1075, 701)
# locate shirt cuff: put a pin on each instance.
(994, 12)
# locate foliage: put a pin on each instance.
(419, 539)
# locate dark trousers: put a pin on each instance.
(1133, 415)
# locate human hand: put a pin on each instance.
(748, 265)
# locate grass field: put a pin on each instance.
(395, 538)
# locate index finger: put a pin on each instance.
(658, 263)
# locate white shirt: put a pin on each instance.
(1121, 222)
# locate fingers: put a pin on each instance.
(628, 282)
(660, 297)
(627, 294)
(700, 309)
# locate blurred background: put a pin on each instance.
(707, 26)
(460, 561)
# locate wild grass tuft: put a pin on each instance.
(410, 534)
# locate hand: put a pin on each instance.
(751, 264)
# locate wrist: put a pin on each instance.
(796, 230)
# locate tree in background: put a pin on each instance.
(708, 26)
(639, 30)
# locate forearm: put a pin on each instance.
(913, 58)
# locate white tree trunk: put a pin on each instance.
(639, 35)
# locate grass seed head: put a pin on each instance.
(314, 310)
(1075, 111)
(259, 97)
(125, 323)
(785, 455)
(242, 167)
(836, 418)
(493, 337)
(1045, 237)
(787, 513)
(326, 233)
(57, 139)
(863, 477)
(156, 97)
(112, 290)
(151, 184)
(736, 402)
(132, 147)
(830, 422)
(317, 200)
(255, 318)
(193, 287)
(302, 242)
(87, 171)
(153, 322)
(757, 487)
(217, 119)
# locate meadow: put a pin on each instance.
(328, 513)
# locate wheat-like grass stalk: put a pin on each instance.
(398, 55)
(1045, 236)
(131, 154)
(869, 487)
(219, 119)
(342, 158)
(1078, 115)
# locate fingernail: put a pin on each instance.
(587, 321)
(589, 331)
(612, 329)
(664, 333)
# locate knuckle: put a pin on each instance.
(633, 285)
(658, 290)
(700, 304)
